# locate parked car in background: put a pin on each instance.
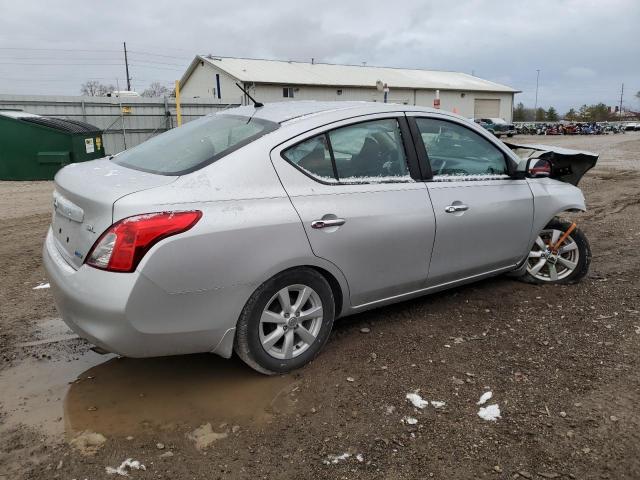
(631, 126)
(255, 228)
(497, 126)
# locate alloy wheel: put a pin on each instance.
(291, 321)
(550, 265)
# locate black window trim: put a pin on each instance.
(407, 143)
(424, 156)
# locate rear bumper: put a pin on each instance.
(128, 314)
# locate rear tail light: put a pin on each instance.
(123, 245)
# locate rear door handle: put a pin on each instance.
(330, 222)
(456, 208)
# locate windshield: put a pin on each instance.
(198, 143)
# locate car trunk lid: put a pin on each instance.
(83, 202)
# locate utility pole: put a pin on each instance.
(126, 66)
(621, 94)
(535, 108)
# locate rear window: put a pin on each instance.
(196, 144)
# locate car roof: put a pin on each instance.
(281, 112)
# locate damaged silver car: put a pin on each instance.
(253, 229)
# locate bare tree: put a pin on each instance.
(156, 89)
(93, 88)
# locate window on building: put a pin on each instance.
(455, 150)
(287, 92)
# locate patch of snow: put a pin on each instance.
(416, 400)
(41, 286)
(360, 458)
(380, 179)
(125, 467)
(468, 178)
(486, 396)
(334, 459)
(409, 420)
(437, 404)
(490, 413)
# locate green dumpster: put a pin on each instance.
(33, 147)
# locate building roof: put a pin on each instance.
(325, 74)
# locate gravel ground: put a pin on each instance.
(561, 363)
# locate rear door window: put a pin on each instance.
(314, 158)
(195, 145)
(365, 152)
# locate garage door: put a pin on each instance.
(486, 108)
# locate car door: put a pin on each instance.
(483, 215)
(357, 190)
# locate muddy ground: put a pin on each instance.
(562, 363)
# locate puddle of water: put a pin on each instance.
(32, 392)
(122, 396)
(125, 395)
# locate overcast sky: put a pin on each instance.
(584, 49)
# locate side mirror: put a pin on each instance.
(538, 168)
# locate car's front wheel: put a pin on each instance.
(553, 262)
(286, 322)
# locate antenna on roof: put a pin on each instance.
(256, 104)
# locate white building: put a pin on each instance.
(274, 81)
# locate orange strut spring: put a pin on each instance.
(554, 248)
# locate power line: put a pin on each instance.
(48, 64)
(57, 49)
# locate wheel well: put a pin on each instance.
(335, 287)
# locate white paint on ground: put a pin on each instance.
(125, 467)
(416, 400)
(41, 286)
(437, 404)
(490, 413)
(409, 420)
(334, 459)
(486, 396)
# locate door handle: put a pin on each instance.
(456, 208)
(330, 222)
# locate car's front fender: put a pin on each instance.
(550, 198)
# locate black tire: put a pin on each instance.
(584, 256)
(247, 342)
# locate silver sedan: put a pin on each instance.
(253, 229)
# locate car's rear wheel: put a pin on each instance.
(286, 322)
(565, 263)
